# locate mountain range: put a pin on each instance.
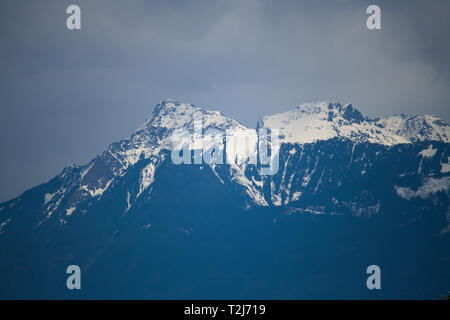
(348, 192)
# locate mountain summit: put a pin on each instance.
(171, 114)
(313, 122)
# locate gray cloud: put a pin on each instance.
(67, 94)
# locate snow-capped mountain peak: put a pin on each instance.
(311, 122)
(156, 133)
(416, 128)
(171, 114)
(330, 111)
(147, 143)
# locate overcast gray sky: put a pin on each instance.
(66, 95)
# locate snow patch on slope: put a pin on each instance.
(445, 167)
(48, 197)
(70, 210)
(429, 187)
(147, 178)
(428, 153)
(95, 192)
(3, 225)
